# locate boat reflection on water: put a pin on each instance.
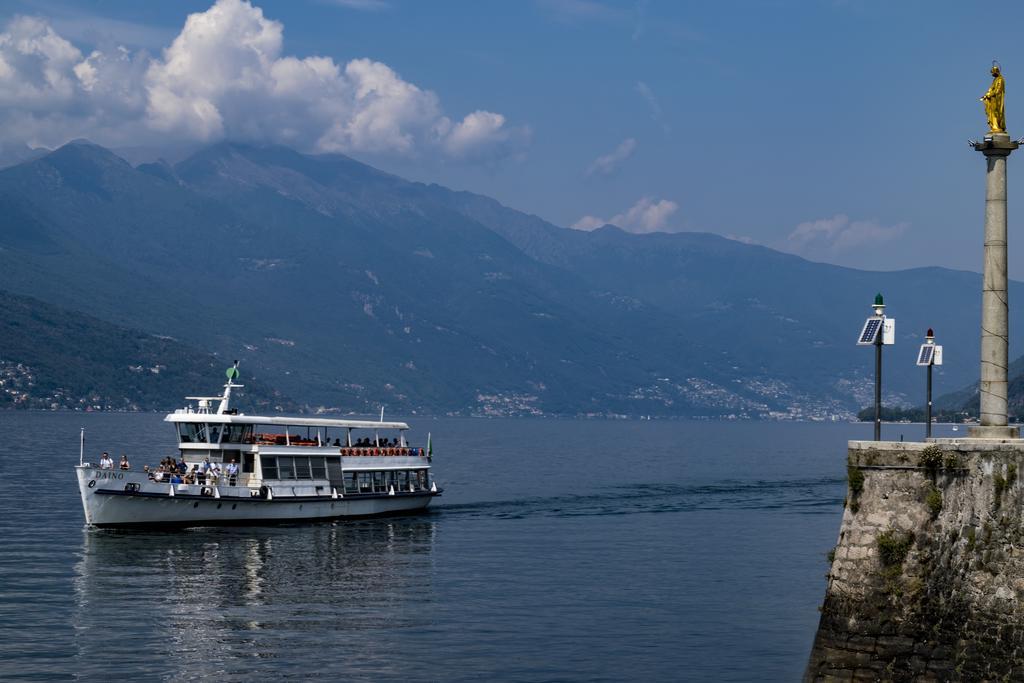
(235, 602)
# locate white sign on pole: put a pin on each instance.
(889, 331)
(937, 358)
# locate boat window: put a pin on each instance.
(318, 467)
(302, 468)
(378, 481)
(215, 433)
(192, 432)
(247, 463)
(237, 433)
(269, 467)
(286, 467)
(365, 482)
(334, 470)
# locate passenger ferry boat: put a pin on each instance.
(284, 469)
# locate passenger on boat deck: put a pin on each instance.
(206, 466)
(124, 462)
(182, 466)
(176, 478)
(232, 472)
(105, 462)
(337, 442)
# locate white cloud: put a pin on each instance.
(225, 75)
(36, 66)
(652, 101)
(588, 223)
(606, 164)
(831, 236)
(476, 130)
(647, 215)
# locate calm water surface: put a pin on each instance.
(560, 551)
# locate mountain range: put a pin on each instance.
(347, 288)
(56, 359)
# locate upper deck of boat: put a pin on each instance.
(190, 416)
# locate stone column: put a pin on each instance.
(995, 328)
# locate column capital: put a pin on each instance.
(996, 145)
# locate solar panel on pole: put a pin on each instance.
(926, 355)
(868, 335)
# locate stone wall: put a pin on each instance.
(927, 579)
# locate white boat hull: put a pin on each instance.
(108, 502)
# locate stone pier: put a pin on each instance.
(927, 579)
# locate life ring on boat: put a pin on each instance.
(92, 483)
(264, 491)
(206, 491)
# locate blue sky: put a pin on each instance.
(835, 130)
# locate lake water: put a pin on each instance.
(560, 551)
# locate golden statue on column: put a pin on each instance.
(993, 100)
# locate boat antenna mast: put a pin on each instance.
(232, 374)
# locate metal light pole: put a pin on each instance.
(878, 383)
(928, 406)
(876, 332)
(929, 356)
